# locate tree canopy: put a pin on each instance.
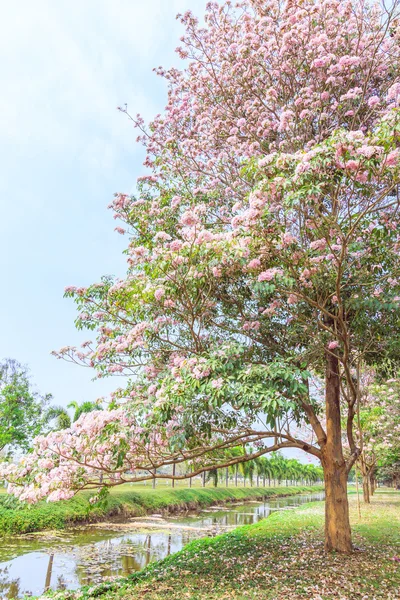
(262, 259)
(22, 409)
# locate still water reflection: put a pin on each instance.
(31, 564)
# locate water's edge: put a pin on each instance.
(78, 511)
(88, 555)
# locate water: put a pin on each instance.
(31, 564)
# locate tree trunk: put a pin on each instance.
(365, 479)
(366, 494)
(236, 474)
(337, 522)
(173, 474)
(227, 476)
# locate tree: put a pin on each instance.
(58, 418)
(21, 407)
(83, 408)
(379, 428)
(263, 255)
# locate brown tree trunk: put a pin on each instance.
(173, 474)
(337, 522)
(366, 493)
(365, 480)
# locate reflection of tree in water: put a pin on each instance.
(98, 561)
(111, 559)
(8, 588)
(148, 549)
(49, 573)
(61, 583)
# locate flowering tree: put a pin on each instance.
(379, 431)
(263, 256)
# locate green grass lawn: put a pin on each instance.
(128, 500)
(279, 558)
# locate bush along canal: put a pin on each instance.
(91, 554)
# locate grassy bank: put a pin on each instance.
(280, 558)
(18, 518)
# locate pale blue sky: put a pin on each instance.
(64, 151)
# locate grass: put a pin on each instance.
(132, 501)
(279, 558)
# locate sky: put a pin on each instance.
(64, 151)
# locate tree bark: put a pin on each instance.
(337, 522)
(365, 471)
(366, 494)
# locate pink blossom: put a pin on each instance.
(176, 245)
(373, 101)
(254, 264)
(394, 92)
(392, 158)
(159, 293)
(162, 235)
(189, 218)
(292, 299)
(269, 274)
(352, 165)
(251, 325)
(217, 383)
(333, 345)
(217, 272)
(288, 239)
(318, 244)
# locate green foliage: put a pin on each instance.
(16, 517)
(22, 410)
(83, 408)
(58, 418)
(278, 557)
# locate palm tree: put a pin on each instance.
(80, 409)
(59, 416)
(278, 467)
